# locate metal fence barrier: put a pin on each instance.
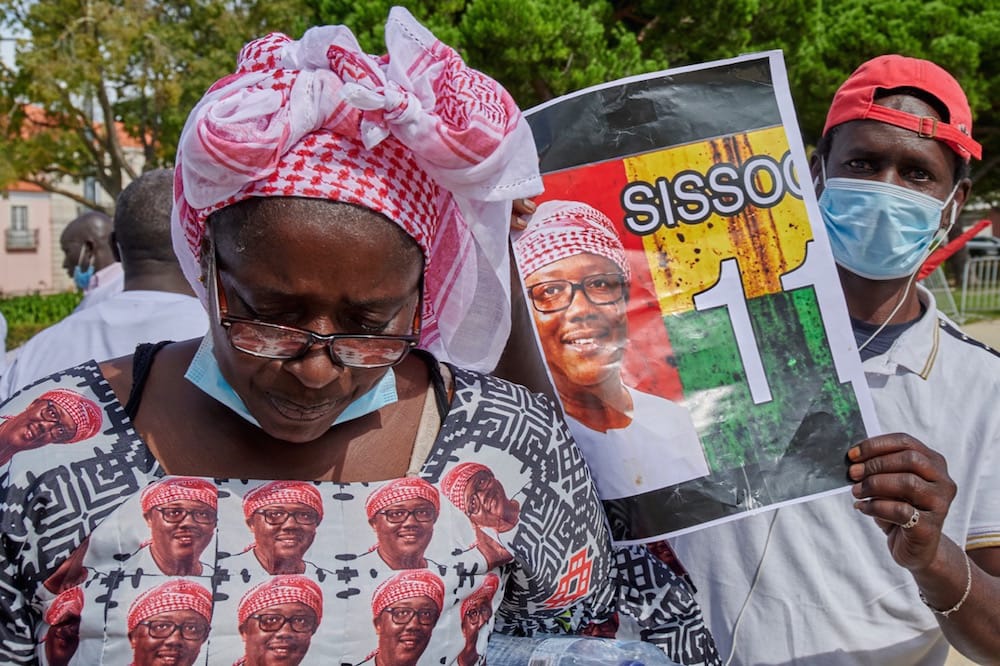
(980, 286)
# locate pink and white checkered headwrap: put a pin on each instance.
(176, 488)
(282, 589)
(485, 593)
(84, 412)
(283, 492)
(67, 604)
(408, 585)
(433, 145)
(560, 229)
(401, 490)
(174, 595)
(453, 483)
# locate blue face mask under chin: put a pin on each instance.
(204, 373)
(878, 230)
(81, 278)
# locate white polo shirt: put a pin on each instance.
(829, 591)
(107, 330)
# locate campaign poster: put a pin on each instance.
(685, 299)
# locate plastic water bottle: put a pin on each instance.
(572, 651)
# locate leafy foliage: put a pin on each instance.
(144, 63)
(26, 315)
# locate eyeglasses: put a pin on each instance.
(397, 516)
(174, 515)
(279, 516)
(477, 612)
(557, 295)
(190, 631)
(480, 483)
(286, 343)
(59, 432)
(271, 622)
(425, 616)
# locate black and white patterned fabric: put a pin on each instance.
(72, 522)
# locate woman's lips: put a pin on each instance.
(296, 411)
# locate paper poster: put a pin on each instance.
(685, 299)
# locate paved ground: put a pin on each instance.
(985, 331)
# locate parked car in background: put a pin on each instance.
(983, 246)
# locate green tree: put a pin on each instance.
(92, 74)
(961, 36)
(538, 49)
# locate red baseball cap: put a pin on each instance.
(855, 100)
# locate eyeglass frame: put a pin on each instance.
(226, 320)
(414, 613)
(409, 512)
(174, 628)
(575, 287)
(288, 514)
(186, 512)
(285, 619)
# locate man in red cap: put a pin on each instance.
(181, 513)
(405, 609)
(919, 568)
(59, 416)
(169, 623)
(277, 620)
(477, 609)
(475, 490)
(283, 516)
(63, 618)
(402, 513)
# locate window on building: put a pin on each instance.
(19, 218)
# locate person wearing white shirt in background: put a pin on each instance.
(910, 561)
(89, 258)
(3, 345)
(157, 303)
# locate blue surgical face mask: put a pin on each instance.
(204, 373)
(81, 278)
(878, 230)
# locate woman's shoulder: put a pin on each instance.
(491, 387)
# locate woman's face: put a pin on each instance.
(321, 266)
(583, 344)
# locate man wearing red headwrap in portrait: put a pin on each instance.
(59, 416)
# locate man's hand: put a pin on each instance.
(896, 475)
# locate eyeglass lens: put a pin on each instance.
(555, 295)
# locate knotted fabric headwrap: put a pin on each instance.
(84, 412)
(282, 589)
(454, 482)
(283, 492)
(69, 603)
(560, 229)
(175, 595)
(438, 148)
(482, 595)
(408, 584)
(179, 488)
(401, 490)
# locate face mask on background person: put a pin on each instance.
(82, 277)
(881, 231)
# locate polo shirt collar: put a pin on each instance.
(916, 349)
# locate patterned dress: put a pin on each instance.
(521, 548)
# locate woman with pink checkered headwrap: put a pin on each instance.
(576, 276)
(58, 416)
(344, 219)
